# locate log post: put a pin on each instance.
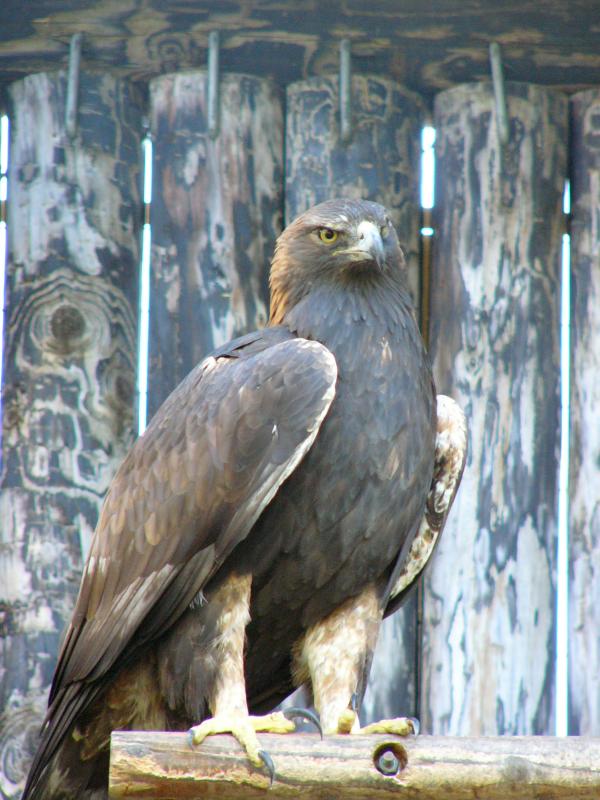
(489, 607)
(69, 359)
(216, 212)
(584, 523)
(379, 162)
(157, 766)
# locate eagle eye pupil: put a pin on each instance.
(328, 235)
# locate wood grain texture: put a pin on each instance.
(69, 370)
(381, 163)
(584, 523)
(158, 766)
(489, 616)
(216, 213)
(426, 46)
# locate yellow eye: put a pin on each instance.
(384, 231)
(328, 235)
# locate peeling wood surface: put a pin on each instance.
(584, 481)
(216, 212)
(69, 371)
(426, 46)
(157, 766)
(380, 162)
(489, 606)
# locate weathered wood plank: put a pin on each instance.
(69, 370)
(584, 523)
(381, 163)
(157, 766)
(426, 46)
(489, 618)
(216, 212)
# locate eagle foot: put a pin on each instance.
(401, 726)
(244, 728)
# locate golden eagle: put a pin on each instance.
(280, 503)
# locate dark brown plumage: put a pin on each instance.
(273, 500)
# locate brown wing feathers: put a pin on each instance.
(190, 489)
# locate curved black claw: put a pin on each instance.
(416, 725)
(268, 762)
(305, 714)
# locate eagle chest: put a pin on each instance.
(342, 516)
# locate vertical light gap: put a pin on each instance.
(427, 173)
(145, 289)
(562, 560)
(427, 199)
(4, 134)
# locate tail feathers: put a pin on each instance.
(61, 716)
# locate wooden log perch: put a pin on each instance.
(165, 765)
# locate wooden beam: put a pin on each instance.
(490, 591)
(427, 46)
(216, 212)
(164, 765)
(584, 472)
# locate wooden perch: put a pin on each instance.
(165, 765)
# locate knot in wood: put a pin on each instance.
(67, 325)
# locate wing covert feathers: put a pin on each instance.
(193, 485)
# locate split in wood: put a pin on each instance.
(499, 93)
(73, 85)
(345, 92)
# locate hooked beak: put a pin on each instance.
(368, 246)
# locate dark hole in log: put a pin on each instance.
(390, 758)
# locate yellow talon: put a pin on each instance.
(401, 726)
(244, 729)
(347, 720)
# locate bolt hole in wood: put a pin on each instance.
(390, 758)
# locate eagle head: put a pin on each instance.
(344, 242)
